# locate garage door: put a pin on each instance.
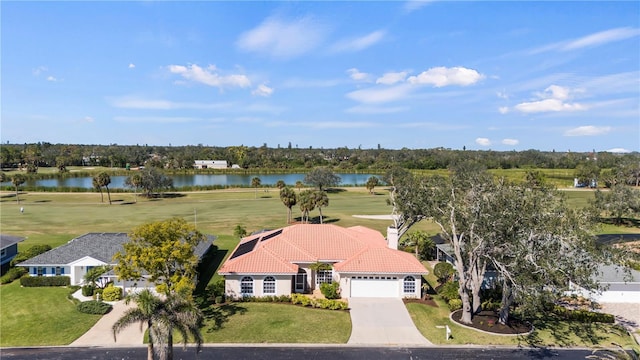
(375, 286)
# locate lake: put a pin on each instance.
(117, 182)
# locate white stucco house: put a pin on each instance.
(284, 261)
(87, 251)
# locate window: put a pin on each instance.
(41, 271)
(409, 285)
(324, 276)
(59, 271)
(246, 286)
(3, 252)
(269, 285)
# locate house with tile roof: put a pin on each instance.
(8, 249)
(87, 251)
(361, 260)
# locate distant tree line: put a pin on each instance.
(32, 156)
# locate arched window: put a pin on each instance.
(409, 285)
(246, 286)
(269, 285)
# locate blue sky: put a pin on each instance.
(484, 75)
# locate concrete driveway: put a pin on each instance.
(101, 334)
(382, 321)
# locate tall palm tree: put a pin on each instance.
(299, 185)
(163, 317)
(96, 184)
(134, 181)
(17, 180)
(289, 199)
(104, 180)
(255, 182)
(320, 200)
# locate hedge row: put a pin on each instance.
(299, 299)
(583, 316)
(13, 274)
(268, 298)
(38, 281)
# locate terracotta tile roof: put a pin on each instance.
(283, 248)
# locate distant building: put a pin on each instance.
(210, 164)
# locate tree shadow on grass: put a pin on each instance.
(564, 333)
(207, 268)
(217, 315)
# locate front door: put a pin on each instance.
(301, 281)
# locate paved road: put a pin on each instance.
(296, 352)
(382, 321)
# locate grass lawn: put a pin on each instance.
(547, 332)
(40, 316)
(275, 323)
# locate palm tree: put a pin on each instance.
(299, 185)
(104, 180)
(134, 181)
(17, 180)
(307, 204)
(163, 317)
(96, 184)
(320, 200)
(289, 199)
(255, 182)
(280, 184)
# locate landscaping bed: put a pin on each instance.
(488, 321)
(424, 301)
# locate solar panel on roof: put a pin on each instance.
(273, 234)
(244, 248)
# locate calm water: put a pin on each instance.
(117, 182)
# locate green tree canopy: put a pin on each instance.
(306, 201)
(372, 182)
(163, 251)
(322, 178)
(289, 199)
(103, 180)
(255, 183)
(17, 180)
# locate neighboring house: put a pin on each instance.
(79, 255)
(210, 164)
(445, 253)
(616, 286)
(8, 249)
(282, 261)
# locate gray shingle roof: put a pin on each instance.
(100, 246)
(8, 240)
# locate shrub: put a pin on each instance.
(443, 271)
(13, 274)
(29, 253)
(330, 291)
(219, 299)
(490, 305)
(38, 281)
(94, 307)
(87, 290)
(112, 293)
(449, 291)
(455, 304)
(583, 316)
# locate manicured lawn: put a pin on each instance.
(40, 316)
(275, 323)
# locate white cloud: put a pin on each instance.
(414, 5)
(158, 104)
(391, 78)
(210, 76)
(618, 150)
(51, 78)
(262, 90)
(375, 110)
(503, 110)
(283, 39)
(132, 65)
(442, 76)
(588, 130)
(502, 95)
(376, 95)
(591, 40)
(359, 43)
(602, 37)
(88, 119)
(552, 99)
(155, 119)
(510, 141)
(483, 141)
(39, 70)
(357, 75)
